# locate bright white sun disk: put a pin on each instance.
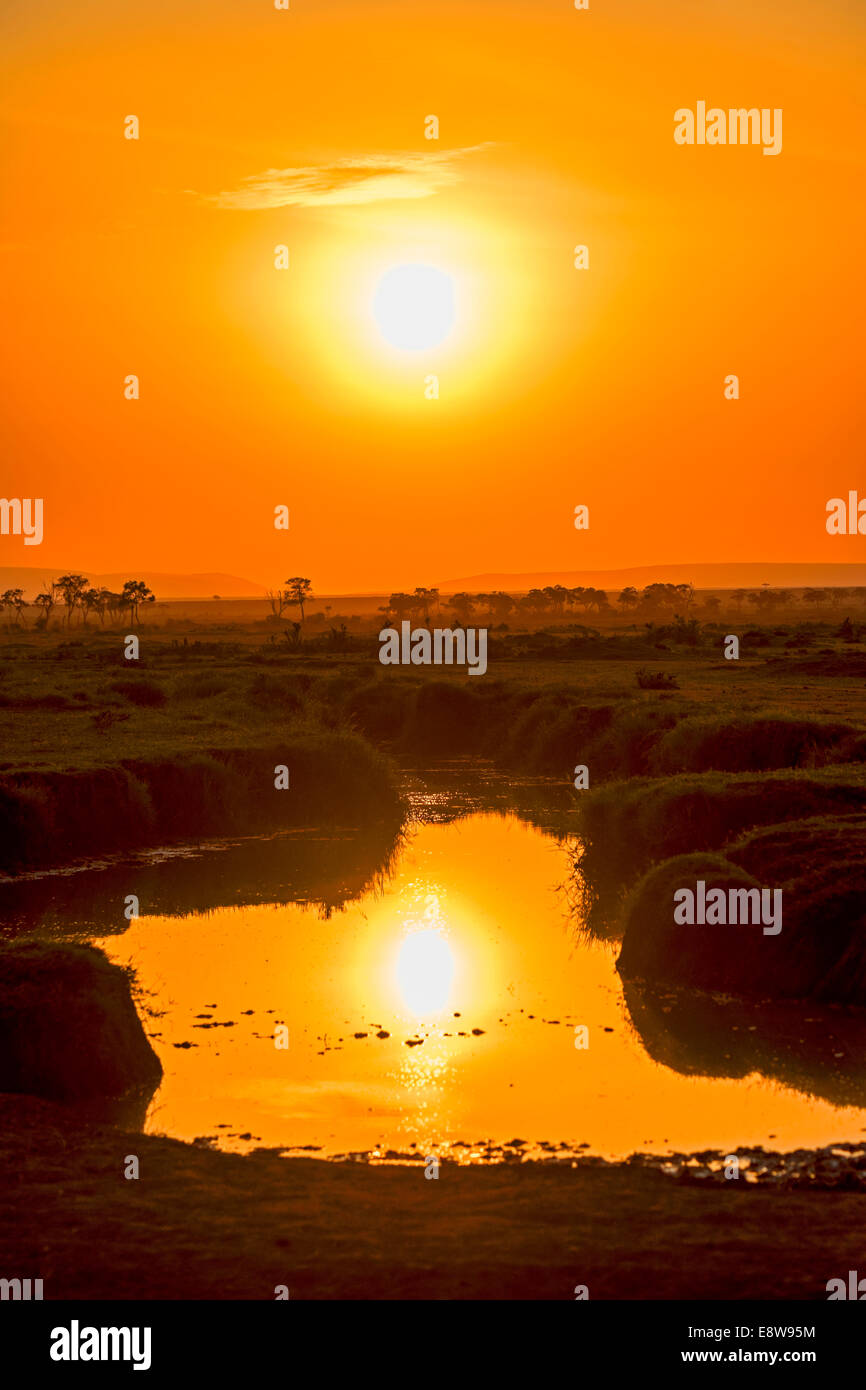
(414, 306)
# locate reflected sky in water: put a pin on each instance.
(465, 978)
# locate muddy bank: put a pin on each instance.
(54, 817)
(198, 1224)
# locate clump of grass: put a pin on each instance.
(51, 993)
(279, 694)
(820, 952)
(548, 729)
(702, 743)
(200, 685)
(145, 693)
(380, 709)
(656, 680)
(625, 747)
(447, 716)
(816, 848)
(627, 826)
(655, 947)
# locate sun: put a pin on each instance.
(415, 306)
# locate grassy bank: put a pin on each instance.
(820, 952)
(53, 817)
(100, 753)
(801, 833)
(627, 826)
(52, 993)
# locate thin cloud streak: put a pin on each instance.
(357, 180)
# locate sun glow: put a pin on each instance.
(401, 300)
(425, 971)
(415, 306)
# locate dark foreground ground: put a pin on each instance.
(203, 1225)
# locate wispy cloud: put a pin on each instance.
(374, 178)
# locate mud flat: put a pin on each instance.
(202, 1224)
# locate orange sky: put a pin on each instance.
(557, 387)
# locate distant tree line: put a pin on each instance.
(73, 594)
(765, 598)
(494, 607)
(559, 601)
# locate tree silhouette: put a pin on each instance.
(817, 596)
(71, 587)
(600, 601)
(658, 596)
(424, 600)
(764, 599)
(90, 600)
(102, 603)
(133, 594)
(279, 600)
(535, 601)
(462, 606)
(14, 599)
(114, 603)
(299, 590)
(46, 601)
(398, 607)
(557, 596)
(499, 605)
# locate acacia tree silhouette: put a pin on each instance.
(71, 586)
(299, 591)
(14, 599)
(133, 594)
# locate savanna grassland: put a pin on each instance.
(758, 762)
(652, 700)
(747, 772)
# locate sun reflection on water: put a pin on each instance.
(425, 970)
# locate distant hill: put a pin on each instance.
(166, 586)
(173, 587)
(703, 576)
